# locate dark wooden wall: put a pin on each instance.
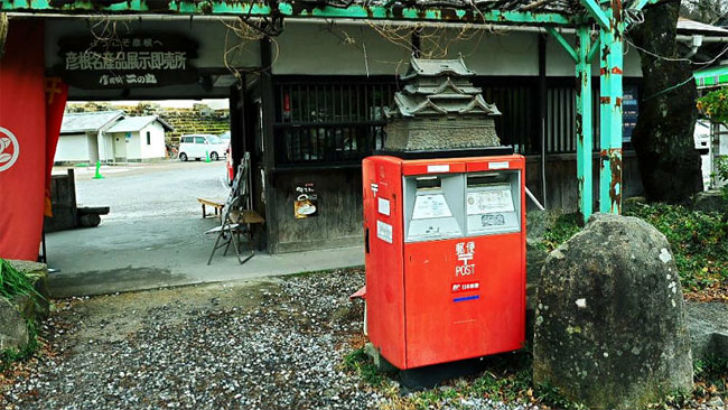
(561, 183)
(339, 219)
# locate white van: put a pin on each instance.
(199, 145)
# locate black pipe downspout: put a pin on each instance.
(542, 112)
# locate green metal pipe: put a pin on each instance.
(564, 43)
(592, 7)
(610, 100)
(593, 50)
(584, 140)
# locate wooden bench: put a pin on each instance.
(248, 217)
(217, 205)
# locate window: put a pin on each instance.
(199, 140)
(330, 122)
(342, 121)
(518, 101)
(149, 138)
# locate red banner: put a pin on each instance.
(22, 141)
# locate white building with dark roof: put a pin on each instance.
(139, 138)
(82, 137)
(110, 136)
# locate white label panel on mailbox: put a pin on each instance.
(433, 169)
(384, 231)
(383, 206)
(431, 206)
(490, 199)
(498, 165)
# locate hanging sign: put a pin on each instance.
(140, 60)
(306, 203)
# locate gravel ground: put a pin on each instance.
(270, 345)
(278, 344)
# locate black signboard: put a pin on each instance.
(139, 60)
(630, 112)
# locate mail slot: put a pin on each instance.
(445, 257)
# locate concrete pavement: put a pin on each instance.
(154, 237)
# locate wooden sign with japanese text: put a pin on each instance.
(139, 60)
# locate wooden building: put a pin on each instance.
(309, 103)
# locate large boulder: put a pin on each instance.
(711, 201)
(610, 330)
(708, 325)
(13, 327)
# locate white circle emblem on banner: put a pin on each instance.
(8, 142)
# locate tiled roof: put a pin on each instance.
(74, 122)
(438, 87)
(432, 67)
(133, 124)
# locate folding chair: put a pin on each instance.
(229, 231)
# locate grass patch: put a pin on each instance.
(15, 283)
(506, 378)
(358, 362)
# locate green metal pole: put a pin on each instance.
(610, 100)
(584, 141)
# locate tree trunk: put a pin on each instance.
(663, 138)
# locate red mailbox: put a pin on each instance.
(445, 257)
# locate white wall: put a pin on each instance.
(72, 147)
(133, 147)
(559, 63)
(107, 153)
(502, 53)
(136, 144)
(157, 148)
(305, 48)
(339, 50)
